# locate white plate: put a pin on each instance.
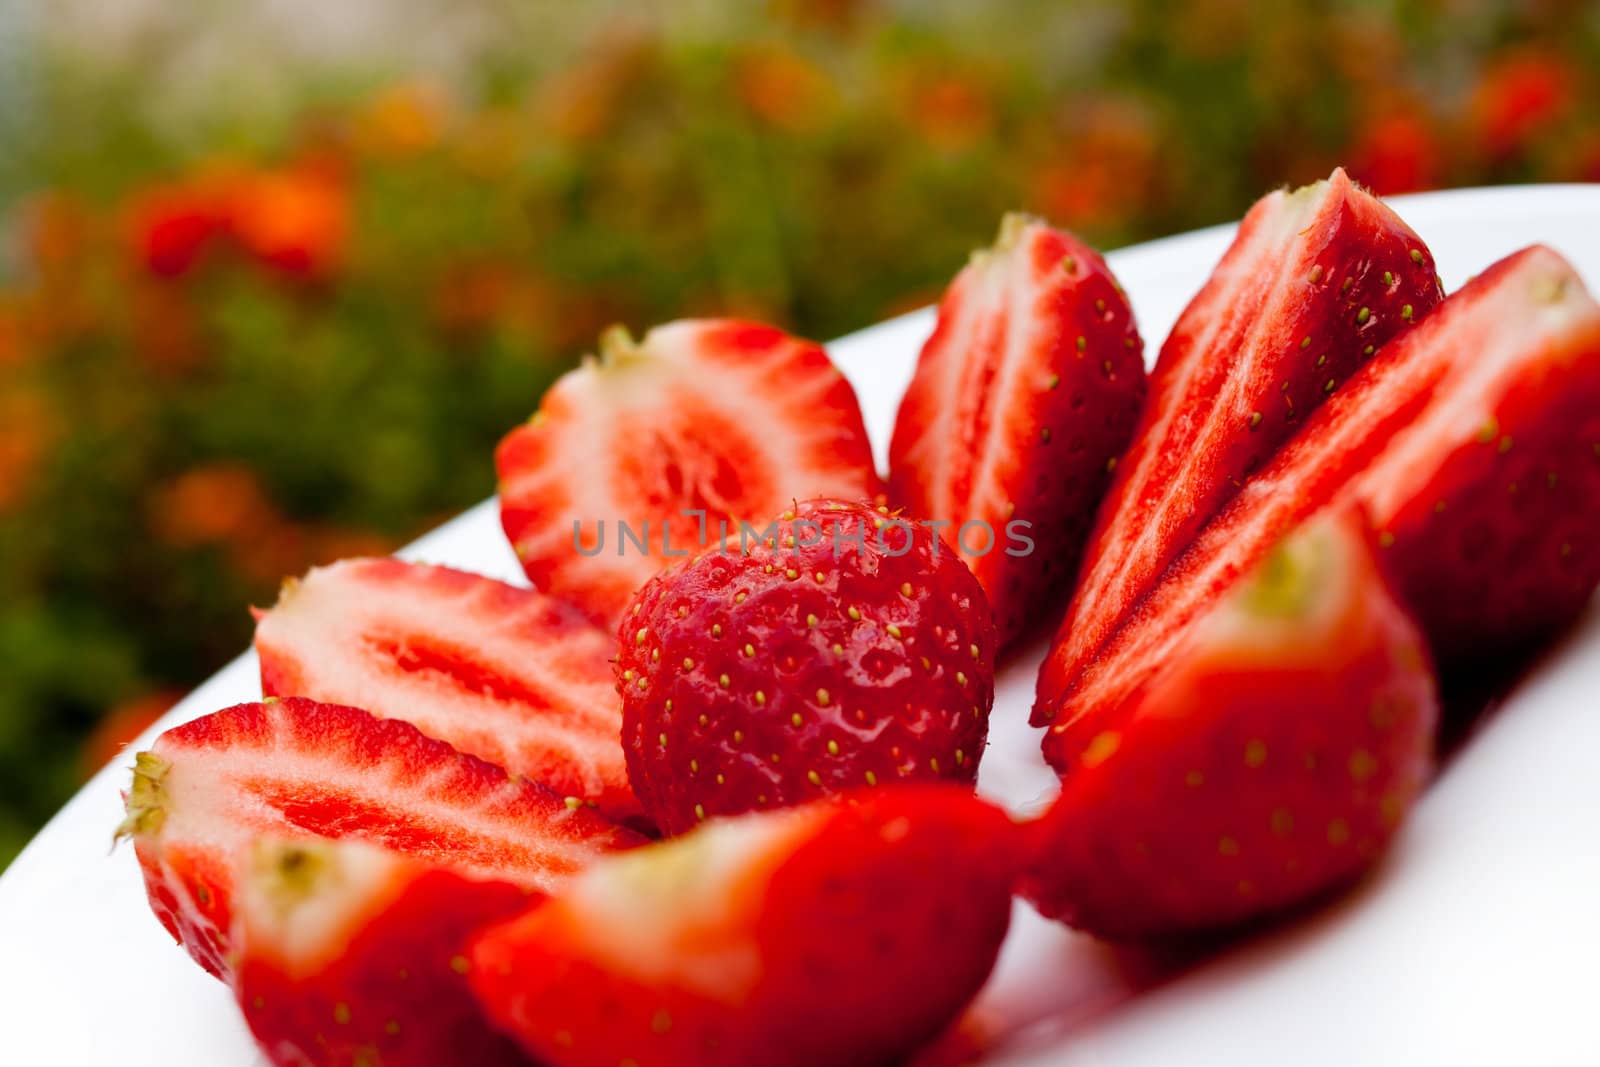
(1475, 943)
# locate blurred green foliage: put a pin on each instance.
(243, 331)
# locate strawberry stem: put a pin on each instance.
(617, 346)
(147, 798)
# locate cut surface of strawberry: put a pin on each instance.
(848, 647)
(1473, 443)
(351, 955)
(838, 932)
(1267, 760)
(297, 768)
(727, 419)
(511, 675)
(1023, 398)
(1316, 281)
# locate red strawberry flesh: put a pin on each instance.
(1024, 396)
(1315, 282)
(296, 768)
(1473, 443)
(353, 955)
(728, 418)
(837, 933)
(511, 675)
(1267, 761)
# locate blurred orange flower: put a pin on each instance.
(1108, 171)
(401, 121)
(295, 220)
(210, 504)
(1520, 97)
(781, 88)
(951, 110)
(1397, 152)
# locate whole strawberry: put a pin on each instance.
(838, 646)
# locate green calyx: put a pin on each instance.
(146, 801)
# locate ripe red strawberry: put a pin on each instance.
(296, 768)
(351, 955)
(1473, 442)
(728, 419)
(509, 675)
(1316, 281)
(1267, 759)
(1023, 399)
(848, 647)
(835, 933)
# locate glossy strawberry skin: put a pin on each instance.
(1023, 398)
(861, 655)
(1267, 761)
(730, 419)
(1314, 284)
(511, 675)
(824, 917)
(1500, 549)
(1470, 442)
(387, 985)
(298, 768)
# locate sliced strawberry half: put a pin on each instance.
(349, 954)
(297, 768)
(1316, 281)
(1473, 442)
(510, 675)
(838, 933)
(1024, 397)
(1268, 758)
(729, 419)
